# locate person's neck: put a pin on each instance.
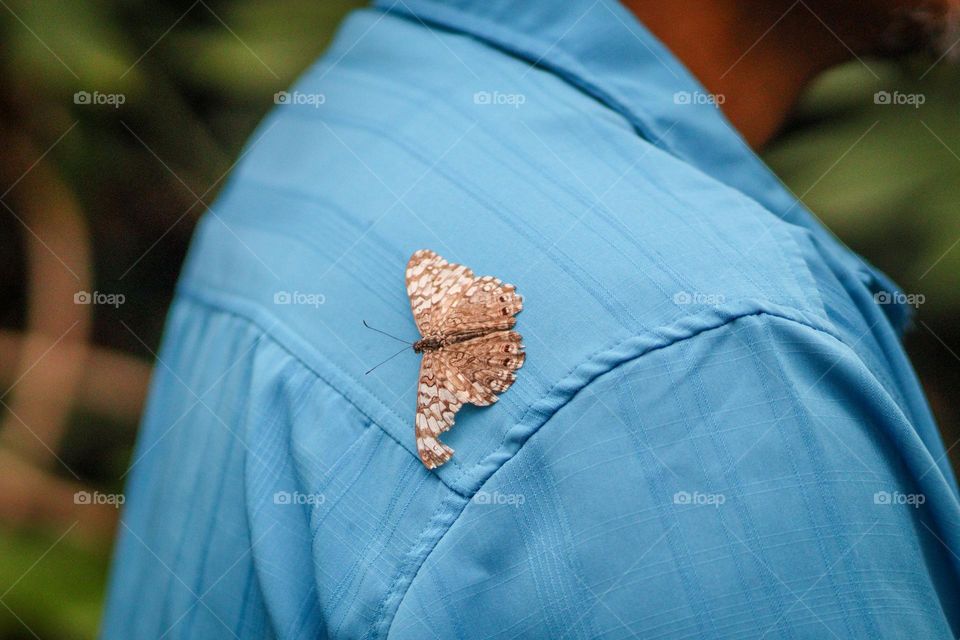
(758, 59)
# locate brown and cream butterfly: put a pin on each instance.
(469, 352)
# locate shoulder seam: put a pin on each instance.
(444, 520)
(465, 481)
(609, 358)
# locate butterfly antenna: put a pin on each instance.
(388, 359)
(386, 334)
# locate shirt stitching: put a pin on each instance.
(426, 546)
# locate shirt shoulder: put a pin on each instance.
(404, 138)
(630, 262)
(726, 484)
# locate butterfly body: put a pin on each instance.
(432, 343)
(469, 351)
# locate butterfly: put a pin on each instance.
(469, 352)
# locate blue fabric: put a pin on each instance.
(716, 433)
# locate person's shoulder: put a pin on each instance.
(402, 139)
(678, 490)
(405, 137)
(460, 140)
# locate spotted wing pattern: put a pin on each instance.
(473, 317)
(432, 286)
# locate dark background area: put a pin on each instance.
(101, 197)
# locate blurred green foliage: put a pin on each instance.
(61, 596)
(885, 177)
(197, 77)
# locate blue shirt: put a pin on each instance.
(716, 433)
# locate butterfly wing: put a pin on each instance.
(433, 284)
(481, 368)
(448, 301)
(436, 407)
(485, 305)
(474, 371)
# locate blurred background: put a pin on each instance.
(119, 122)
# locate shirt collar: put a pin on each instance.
(600, 47)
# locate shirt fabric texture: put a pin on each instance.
(716, 433)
